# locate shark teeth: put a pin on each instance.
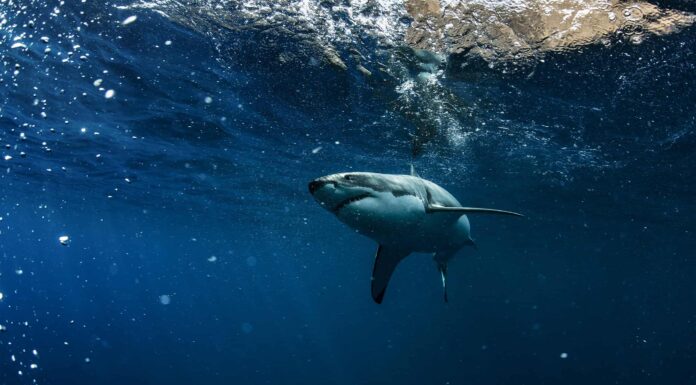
(350, 200)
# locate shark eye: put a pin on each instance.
(348, 177)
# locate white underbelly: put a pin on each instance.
(403, 222)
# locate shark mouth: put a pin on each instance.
(349, 201)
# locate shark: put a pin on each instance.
(404, 214)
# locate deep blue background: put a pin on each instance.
(596, 148)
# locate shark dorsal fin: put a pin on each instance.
(413, 171)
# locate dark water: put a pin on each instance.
(196, 255)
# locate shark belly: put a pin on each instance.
(442, 234)
(403, 221)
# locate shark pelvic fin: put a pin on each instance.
(473, 244)
(469, 210)
(386, 260)
(442, 267)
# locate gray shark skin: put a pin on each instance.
(403, 214)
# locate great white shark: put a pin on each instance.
(404, 214)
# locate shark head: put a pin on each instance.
(380, 206)
(338, 191)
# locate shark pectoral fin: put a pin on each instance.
(385, 262)
(468, 210)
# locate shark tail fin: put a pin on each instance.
(442, 267)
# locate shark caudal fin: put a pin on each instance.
(469, 210)
(386, 260)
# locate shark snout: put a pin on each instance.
(316, 185)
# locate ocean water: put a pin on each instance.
(156, 228)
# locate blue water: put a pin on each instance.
(196, 255)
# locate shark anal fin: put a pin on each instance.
(468, 210)
(386, 260)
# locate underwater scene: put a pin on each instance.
(348, 192)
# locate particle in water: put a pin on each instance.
(211, 259)
(564, 355)
(251, 261)
(33, 366)
(109, 94)
(19, 271)
(8, 157)
(247, 328)
(87, 360)
(129, 20)
(165, 299)
(35, 352)
(97, 82)
(18, 44)
(208, 100)
(3, 328)
(1, 296)
(44, 39)
(316, 150)
(64, 240)
(168, 42)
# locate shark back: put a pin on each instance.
(438, 196)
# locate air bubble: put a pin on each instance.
(165, 299)
(129, 20)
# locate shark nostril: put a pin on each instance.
(315, 185)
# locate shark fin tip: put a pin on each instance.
(378, 298)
